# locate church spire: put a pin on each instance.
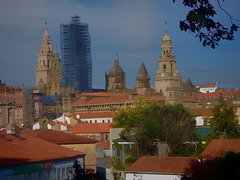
(142, 74)
(116, 62)
(166, 30)
(46, 46)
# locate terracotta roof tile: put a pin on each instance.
(208, 85)
(219, 147)
(226, 92)
(19, 101)
(201, 112)
(93, 100)
(31, 150)
(95, 115)
(63, 124)
(103, 94)
(157, 164)
(60, 137)
(91, 128)
(104, 144)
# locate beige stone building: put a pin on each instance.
(115, 80)
(49, 70)
(168, 78)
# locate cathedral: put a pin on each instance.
(168, 78)
(115, 80)
(48, 70)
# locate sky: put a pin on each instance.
(132, 28)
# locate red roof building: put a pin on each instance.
(29, 157)
(156, 167)
(219, 147)
(71, 141)
(91, 128)
(60, 137)
(98, 131)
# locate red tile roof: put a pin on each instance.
(19, 101)
(14, 87)
(63, 124)
(201, 112)
(209, 85)
(227, 92)
(93, 100)
(13, 96)
(31, 150)
(103, 94)
(91, 128)
(157, 164)
(95, 115)
(219, 147)
(60, 137)
(104, 144)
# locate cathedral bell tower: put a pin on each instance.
(167, 75)
(48, 70)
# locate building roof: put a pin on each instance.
(219, 147)
(60, 137)
(31, 149)
(91, 128)
(95, 115)
(225, 92)
(157, 164)
(201, 112)
(209, 85)
(14, 87)
(143, 74)
(102, 94)
(105, 99)
(19, 101)
(104, 144)
(116, 69)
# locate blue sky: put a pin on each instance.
(133, 28)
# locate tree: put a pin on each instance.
(199, 169)
(217, 168)
(81, 173)
(200, 20)
(223, 122)
(148, 125)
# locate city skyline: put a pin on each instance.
(133, 29)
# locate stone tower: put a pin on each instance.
(167, 76)
(143, 81)
(115, 80)
(48, 70)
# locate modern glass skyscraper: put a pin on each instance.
(75, 42)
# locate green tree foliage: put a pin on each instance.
(147, 125)
(223, 122)
(200, 20)
(227, 167)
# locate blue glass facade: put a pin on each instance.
(75, 42)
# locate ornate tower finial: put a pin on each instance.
(166, 30)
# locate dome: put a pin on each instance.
(166, 41)
(116, 69)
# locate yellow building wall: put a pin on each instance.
(89, 150)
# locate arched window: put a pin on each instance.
(171, 67)
(164, 67)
